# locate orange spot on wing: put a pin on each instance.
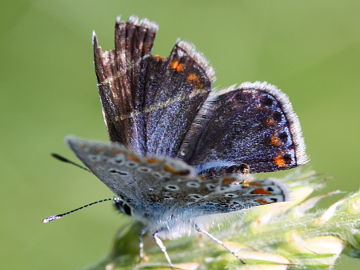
(203, 177)
(262, 201)
(254, 184)
(261, 191)
(280, 161)
(194, 79)
(133, 157)
(275, 141)
(154, 197)
(158, 58)
(175, 171)
(229, 180)
(153, 160)
(177, 66)
(116, 151)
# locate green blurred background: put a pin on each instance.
(310, 49)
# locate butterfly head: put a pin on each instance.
(123, 206)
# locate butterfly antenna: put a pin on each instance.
(64, 159)
(55, 217)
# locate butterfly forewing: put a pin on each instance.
(185, 84)
(132, 177)
(231, 194)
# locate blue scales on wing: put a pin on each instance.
(166, 106)
(149, 102)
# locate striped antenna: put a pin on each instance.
(64, 159)
(51, 218)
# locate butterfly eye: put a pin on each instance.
(127, 210)
(123, 207)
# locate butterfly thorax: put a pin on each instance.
(170, 224)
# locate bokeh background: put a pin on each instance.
(310, 49)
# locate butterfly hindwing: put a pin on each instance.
(252, 125)
(231, 195)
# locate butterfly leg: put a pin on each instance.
(219, 242)
(163, 249)
(141, 244)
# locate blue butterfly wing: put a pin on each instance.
(252, 125)
(149, 102)
(164, 106)
(185, 84)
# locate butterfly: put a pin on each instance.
(179, 150)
